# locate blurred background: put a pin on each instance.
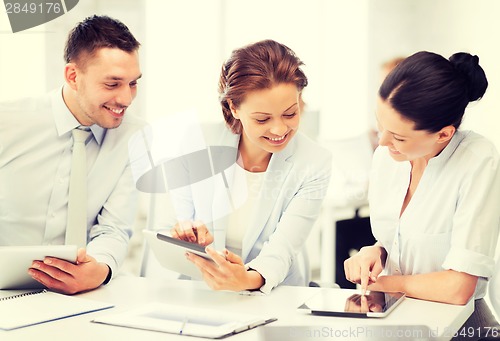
(343, 43)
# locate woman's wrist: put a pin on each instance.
(392, 283)
(382, 251)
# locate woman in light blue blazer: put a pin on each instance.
(259, 210)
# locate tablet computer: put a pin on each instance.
(350, 303)
(16, 260)
(170, 253)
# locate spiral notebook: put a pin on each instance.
(26, 308)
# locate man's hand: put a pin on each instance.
(68, 278)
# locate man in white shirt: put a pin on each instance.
(35, 158)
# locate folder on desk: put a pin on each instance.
(26, 308)
(192, 321)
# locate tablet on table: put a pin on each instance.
(350, 303)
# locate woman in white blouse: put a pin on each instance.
(277, 182)
(434, 189)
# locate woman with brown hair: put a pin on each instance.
(283, 174)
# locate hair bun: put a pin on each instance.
(468, 65)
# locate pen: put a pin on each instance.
(183, 324)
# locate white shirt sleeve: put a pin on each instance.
(473, 237)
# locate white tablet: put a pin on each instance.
(349, 303)
(170, 253)
(16, 260)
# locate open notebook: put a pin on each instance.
(25, 308)
(176, 319)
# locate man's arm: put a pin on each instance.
(107, 248)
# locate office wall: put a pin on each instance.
(22, 60)
(183, 53)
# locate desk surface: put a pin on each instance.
(128, 292)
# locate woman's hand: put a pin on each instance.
(193, 232)
(364, 267)
(226, 272)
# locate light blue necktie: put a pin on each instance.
(76, 230)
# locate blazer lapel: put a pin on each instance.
(276, 174)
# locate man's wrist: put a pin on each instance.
(109, 275)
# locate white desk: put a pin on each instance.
(128, 292)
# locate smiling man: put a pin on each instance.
(36, 143)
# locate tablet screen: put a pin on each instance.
(350, 303)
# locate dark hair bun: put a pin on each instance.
(468, 65)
